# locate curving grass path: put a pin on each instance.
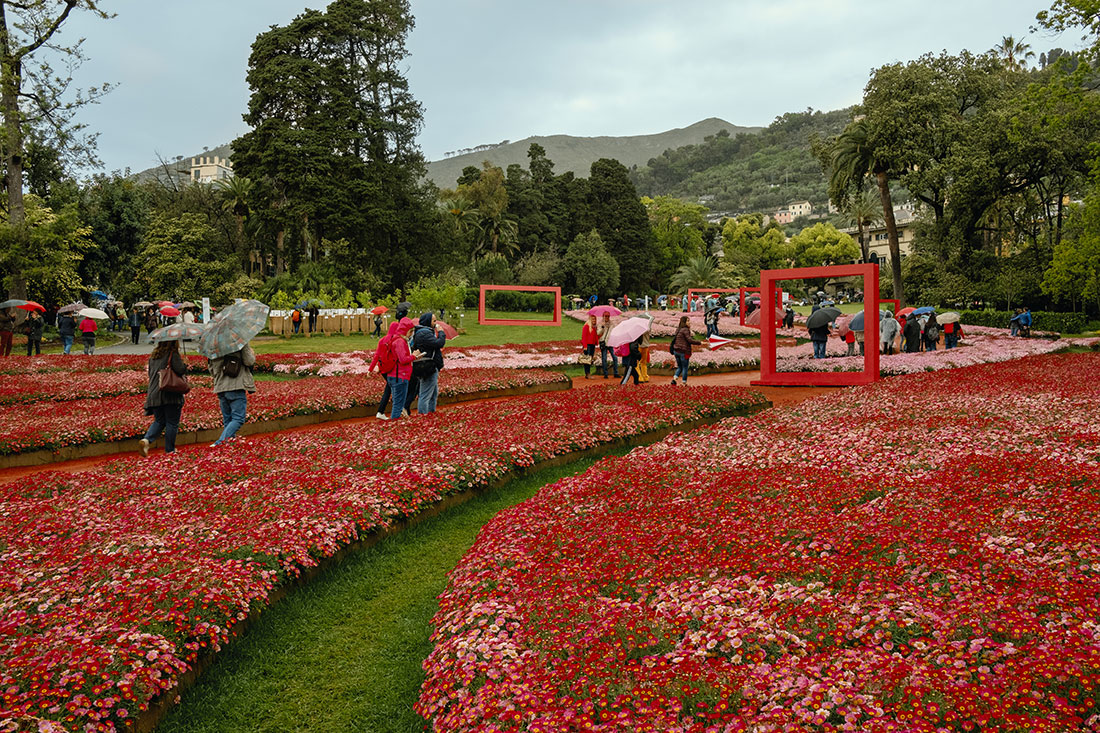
(343, 653)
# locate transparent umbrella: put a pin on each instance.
(233, 328)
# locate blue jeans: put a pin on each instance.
(398, 388)
(429, 393)
(234, 404)
(67, 342)
(929, 345)
(950, 340)
(166, 418)
(604, 351)
(819, 349)
(681, 367)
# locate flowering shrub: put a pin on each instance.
(53, 425)
(113, 581)
(916, 555)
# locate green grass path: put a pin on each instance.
(343, 653)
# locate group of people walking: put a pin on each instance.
(166, 395)
(635, 354)
(410, 357)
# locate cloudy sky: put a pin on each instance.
(490, 70)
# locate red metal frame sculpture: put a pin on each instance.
(895, 301)
(483, 321)
(768, 374)
(741, 303)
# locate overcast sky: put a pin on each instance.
(490, 70)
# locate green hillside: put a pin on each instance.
(758, 172)
(577, 154)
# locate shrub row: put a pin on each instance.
(1040, 320)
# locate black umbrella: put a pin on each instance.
(822, 317)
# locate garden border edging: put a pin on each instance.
(47, 456)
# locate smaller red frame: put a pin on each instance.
(768, 374)
(895, 301)
(741, 304)
(483, 321)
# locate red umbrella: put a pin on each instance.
(378, 310)
(904, 312)
(448, 330)
(163, 303)
(30, 305)
(169, 310)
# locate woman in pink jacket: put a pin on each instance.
(398, 379)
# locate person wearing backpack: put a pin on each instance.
(233, 381)
(296, 319)
(931, 333)
(428, 340)
(631, 360)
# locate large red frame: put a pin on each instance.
(483, 321)
(741, 303)
(768, 374)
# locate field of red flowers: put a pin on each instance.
(114, 580)
(917, 555)
(52, 422)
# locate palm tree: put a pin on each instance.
(698, 272)
(862, 211)
(459, 211)
(496, 232)
(1015, 53)
(853, 158)
(236, 192)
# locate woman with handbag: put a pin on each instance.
(164, 398)
(589, 340)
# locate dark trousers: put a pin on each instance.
(411, 395)
(5, 342)
(385, 398)
(35, 344)
(166, 418)
(135, 334)
(630, 369)
(604, 351)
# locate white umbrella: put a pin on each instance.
(627, 331)
(93, 313)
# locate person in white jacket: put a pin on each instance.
(888, 331)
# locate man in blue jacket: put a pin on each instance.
(428, 339)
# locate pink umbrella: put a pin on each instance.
(753, 319)
(599, 310)
(627, 331)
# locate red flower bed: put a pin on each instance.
(53, 425)
(918, 555)
(113, 581)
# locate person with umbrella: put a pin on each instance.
(163, 406)
(33, 327)
(88, 327)
(818, 326)
(378, 310)
(681, 345)
(7, 331)
(66, 329)
(225, 344)
(602, 333)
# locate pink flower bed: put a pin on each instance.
(46, 424)
(113, 581)
(917, 555)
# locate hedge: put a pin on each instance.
(1040, 320)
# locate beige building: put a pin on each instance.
(878, 242)
(800, 208)
(210, 168)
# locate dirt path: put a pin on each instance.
(779, 396)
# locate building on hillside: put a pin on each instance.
(210, 168)
(783, 217)
(800, 208)
(878, 241)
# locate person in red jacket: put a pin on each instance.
(398, 379)
(589, 341)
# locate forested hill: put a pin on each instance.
(759, 172)
(577, 154)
